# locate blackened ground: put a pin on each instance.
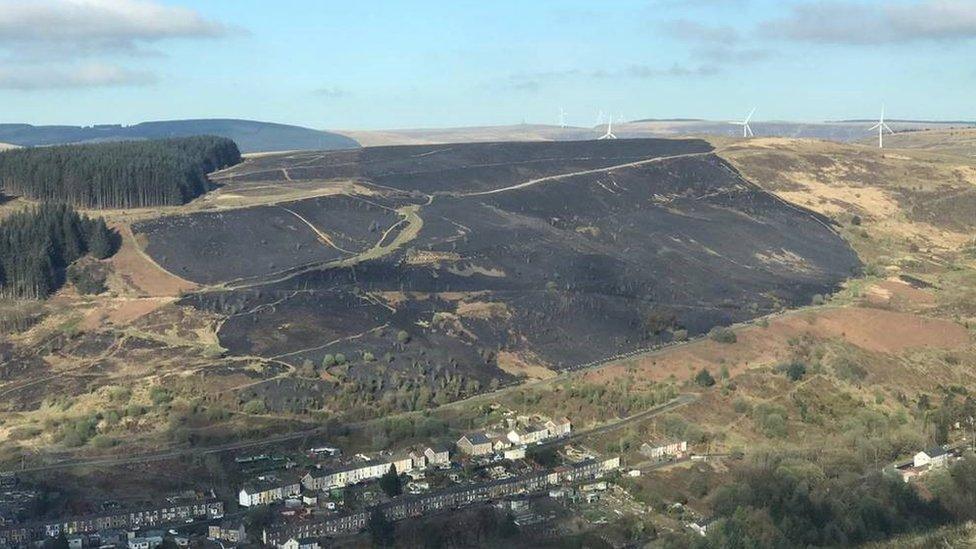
(572, 268)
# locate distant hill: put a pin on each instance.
(472, 134)
(841, 131)
(250, 136)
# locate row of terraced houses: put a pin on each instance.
(28, 533)
(458, 496)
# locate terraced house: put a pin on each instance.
(268, 490)
(347, 475)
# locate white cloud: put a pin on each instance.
(90, 75)
(848, 22)
(43, 41)
(91, 25)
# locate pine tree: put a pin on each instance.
(117, 175)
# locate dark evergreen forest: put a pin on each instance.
(38, 244)
(127, 174)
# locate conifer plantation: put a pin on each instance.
(38, 244)
(127, 174)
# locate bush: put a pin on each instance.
(328, 361)
(255, 406)
(679, 335)
(722, 334)
(340, 358)
(704, 378)
(794, 370)
(817, 300)
(159, 395)
(86, 279)
(368, 357)
(403, 337)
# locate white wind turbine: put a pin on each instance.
(609, 134)
(746, 130)
(881, 127)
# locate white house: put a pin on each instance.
(531, 434)
(266, 491)
(303, 543)
(516, 452)
(664, 449)
(560, 427)
(933, 457)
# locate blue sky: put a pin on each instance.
(390, 64)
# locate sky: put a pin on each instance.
(412, 64)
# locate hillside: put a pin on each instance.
(569, 252)
(379, 297)
(249, 135)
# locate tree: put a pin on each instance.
(380, 529)
(390, 482)
(117, 175)
(59, 542)
(704, 378)
(796, 370)
(38, 244)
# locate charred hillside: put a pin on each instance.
(561, 252)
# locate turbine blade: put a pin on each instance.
(874, 127)
(752, 112)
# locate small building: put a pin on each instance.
(516, 452)
(76, 541)
(664, 449)
(561, 427)
(499, 444)
(227, 531)
(933, 457)
(438, 456)
(300, 543)
(147, 540)
(474, 444)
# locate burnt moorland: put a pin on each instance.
(558, 253)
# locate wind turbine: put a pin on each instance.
(746, 130)
(609, 134)
(881, 127)
(562, 118)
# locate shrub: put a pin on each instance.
(340, 358)
(403, 337)
(368, 357)
(722, 334)
(704, 378)
(328, 361)
(679, 335)
(254, 406)
(817, 299)
(86, 279)
(794, 370)
(159, 395)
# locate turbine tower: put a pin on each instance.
(609, 134)
(562, 118)
(881, 127)
(746, 130)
